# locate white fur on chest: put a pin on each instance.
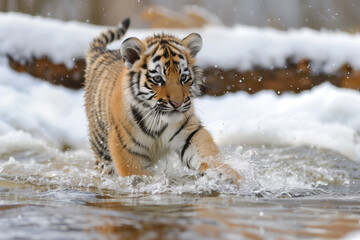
(160, 146)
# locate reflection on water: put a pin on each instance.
(68, 214)
(288, 193)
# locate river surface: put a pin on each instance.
(287, 193)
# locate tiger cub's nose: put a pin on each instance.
(175, 104)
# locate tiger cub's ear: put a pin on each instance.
(193, 42)
(131, 50)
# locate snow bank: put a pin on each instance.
(23, 36)
(326, 116)
(238, 47)
(54, 114)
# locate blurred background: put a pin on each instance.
(294, 75)
(280, 14)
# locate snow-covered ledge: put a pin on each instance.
(235, 49)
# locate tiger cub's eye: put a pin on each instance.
(183, 77)
(157, 78)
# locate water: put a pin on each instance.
(287, 193)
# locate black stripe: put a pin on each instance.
(93, 58)
(139, 120)
(155, 50)
(166, 53)
(97, 48)
(172, 53)
(125, 24)
(133, 139)
(127, 148)
(151, 97)
(150, 44)
(133, 83)
(153, 82)
(100, 140)
(157, 58)
(188, 162)
(142, 93)
(99, 41)
(187, 142)
(105, 37)
(147, 86)
(181, 128)
(99, 151)
(158, 133)
(112, 36)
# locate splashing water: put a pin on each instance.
(61, 195)
(267, 171)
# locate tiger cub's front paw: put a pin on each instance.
(223, 171)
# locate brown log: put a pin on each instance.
(295, 77)
(57, 74)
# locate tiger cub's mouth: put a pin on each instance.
(169, 109)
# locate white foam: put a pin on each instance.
(40, 164)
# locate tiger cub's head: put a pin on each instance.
(163, 71)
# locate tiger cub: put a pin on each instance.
(139, 103)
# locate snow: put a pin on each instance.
(36, 113)
(324, 117)
(54, 114)
(237, 47)
(354, 235)
(23, 36)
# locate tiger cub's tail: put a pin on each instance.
(98, 45)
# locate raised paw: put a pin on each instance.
(223, 170)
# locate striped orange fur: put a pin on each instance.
(139, 103)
